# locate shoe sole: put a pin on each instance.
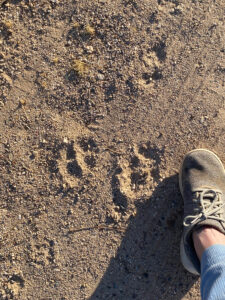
(184, 258)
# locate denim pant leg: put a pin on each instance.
(213, 273)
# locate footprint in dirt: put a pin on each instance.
(12, 289)
(73, 167)
(153, 61)
(136, 176)
(77, 159)
(42, 252)
(89, 146)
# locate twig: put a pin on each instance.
(113, 151)
(101, 226)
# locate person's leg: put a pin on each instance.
(205, 237)
(202, 184)
(209, 244)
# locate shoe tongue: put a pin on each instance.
(211, 223)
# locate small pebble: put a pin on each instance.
(100, 76)
(89, 49)
(65, 140)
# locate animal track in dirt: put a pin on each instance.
(88, 144)
(42, 252)
(119, 198)
(160, 50)
(171, 7)
(137, 175)
(153, 59)
(77, 159)
(12, 286)
(73, 167)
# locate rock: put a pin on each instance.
(7, 78)
(65, 140)
(89, 49)
(100, 76)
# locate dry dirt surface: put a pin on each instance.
(99, 102)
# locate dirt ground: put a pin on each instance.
(99, 102)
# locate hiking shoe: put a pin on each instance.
(202, 185)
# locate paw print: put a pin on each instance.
(153, 61)
(42, 252)
(140, 172)
(77, 159)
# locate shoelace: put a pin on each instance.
(210, 209)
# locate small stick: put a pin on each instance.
(101, 226)
(113, 151)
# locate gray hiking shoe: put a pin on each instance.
(202, 185)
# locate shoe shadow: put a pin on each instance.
(147, 264)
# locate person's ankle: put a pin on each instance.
(206, 236)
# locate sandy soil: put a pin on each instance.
(99, 101)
